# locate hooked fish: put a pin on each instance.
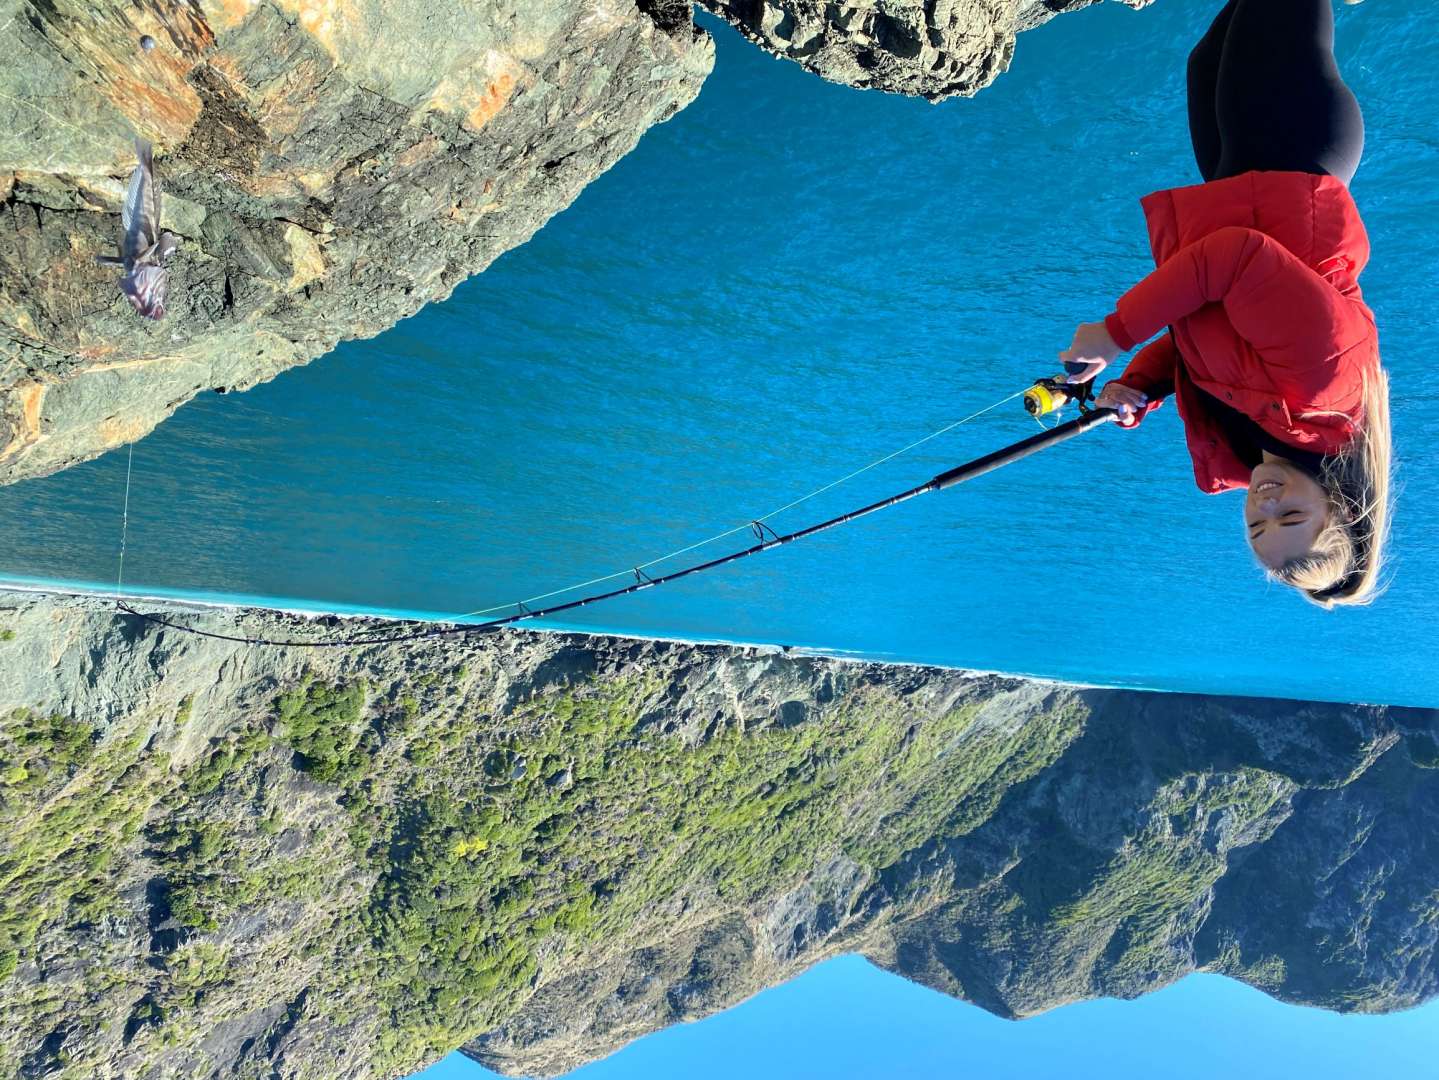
(144, 248)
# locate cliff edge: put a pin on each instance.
(329, 168)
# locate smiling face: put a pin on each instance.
(1284, 511)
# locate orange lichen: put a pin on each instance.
(494, 98)
(94, 352)
(164, 113)
(186, 29)
(426, 148)
(327, 21)
(228, 14)
(149, 88)
(26, 434)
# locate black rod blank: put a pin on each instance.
(958, 475)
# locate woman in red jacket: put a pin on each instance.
(1270, 352)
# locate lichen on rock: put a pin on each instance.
(331, 166)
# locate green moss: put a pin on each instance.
(479, 843)
(1149, 892)
(423, 751)
(188, 906)
(45, 746)
(322, 724)
(187, 854)
(228, 758)
(7, 634)
(198, 966)
(485, 857)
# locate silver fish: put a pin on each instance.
(144, 248)
(145, 288)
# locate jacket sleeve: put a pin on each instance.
(1287, 312)
(1152, 372)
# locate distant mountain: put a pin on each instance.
(241, 861)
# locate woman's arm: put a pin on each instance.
(1273, 300)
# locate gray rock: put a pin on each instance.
(332, 168)
(934, 50)
(329, 168)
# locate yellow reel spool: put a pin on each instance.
(1040, 399)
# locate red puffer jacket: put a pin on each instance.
(1256, 280)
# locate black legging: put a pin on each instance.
(1265, 93)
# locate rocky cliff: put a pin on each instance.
(330, 166)
(229, 860)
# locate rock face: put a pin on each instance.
(221, 859)
(329, 166)
(936, 49)
(333, 165)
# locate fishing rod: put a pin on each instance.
(1050, 394)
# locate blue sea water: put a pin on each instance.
(785, 282)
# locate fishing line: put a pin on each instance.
(642, 581)
(749, 525)
(124, 520)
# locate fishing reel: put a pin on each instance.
(1053, 393)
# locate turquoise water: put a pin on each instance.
(787, 281)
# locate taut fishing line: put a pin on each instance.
(749, 525)
(766, 536)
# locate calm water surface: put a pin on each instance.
(785, 282)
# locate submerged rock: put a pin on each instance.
(935, 50)
(229, 860)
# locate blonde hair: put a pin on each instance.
(1344, 563)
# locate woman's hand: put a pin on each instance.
(1124, 400)
(1092, 347)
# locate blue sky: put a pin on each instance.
(847, 1018)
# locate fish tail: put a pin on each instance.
(145, 153)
